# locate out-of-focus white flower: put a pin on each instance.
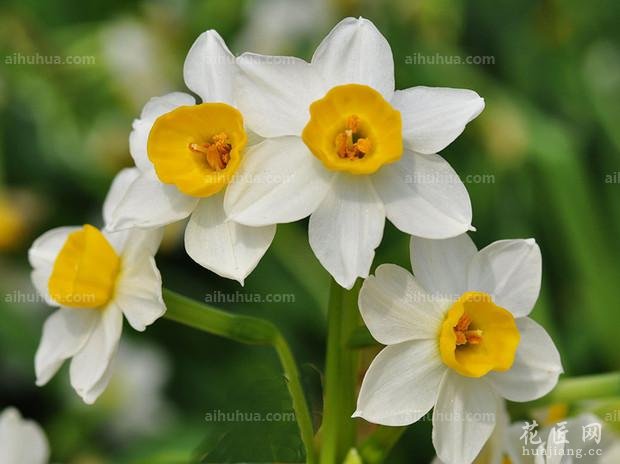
(94, 278)
(186, 155)
(134, 404)
(458, 339)
(279, 25)
(21, 441)
(135, 58)
(348, 149)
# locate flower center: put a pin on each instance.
(85, 272)
(216, 152)
(350, 143)
(354, 129)
(463, 333)
(477, 336)
(197, 148)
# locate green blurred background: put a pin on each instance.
(541, 161)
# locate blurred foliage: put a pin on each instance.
(543, 161)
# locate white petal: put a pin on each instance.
(42, 255)
(118, 189)
(64, 334)
(91, 363)
(494, 450)
(139, 242)
(355, 52)
(464, 417)
(21, 441)
(139, 290)
(441, 266)
(423, 196)
(91, 395)
(225, 247)
(396, 309)
(346, 228)
(149, 203)
(401, 383)
(210, 68)
(434, 117)
(510, 271)
(45, 249)
(274, 93)
(611, 455)
(279, 181)
(536, 368)
(154, 108)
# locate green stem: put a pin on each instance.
(588, 387)
(339, 429)
(252, 331)
(361, 338)
(375, 449)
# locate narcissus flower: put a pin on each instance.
(458, 339)
(186, 154)
(21, 441)
(94, 277)
(349, 149)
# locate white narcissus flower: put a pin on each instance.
(21, 441)
(458, 339)
(186, 154)
(348, 149)
(95, 278)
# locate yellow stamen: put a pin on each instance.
(216, 152)
(464, 335)
(348, 142)
(85, 272)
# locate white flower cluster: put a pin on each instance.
(278, 139)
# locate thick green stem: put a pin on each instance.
(338, 430)
(571, 390)
(377, 447)
(252, 331)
